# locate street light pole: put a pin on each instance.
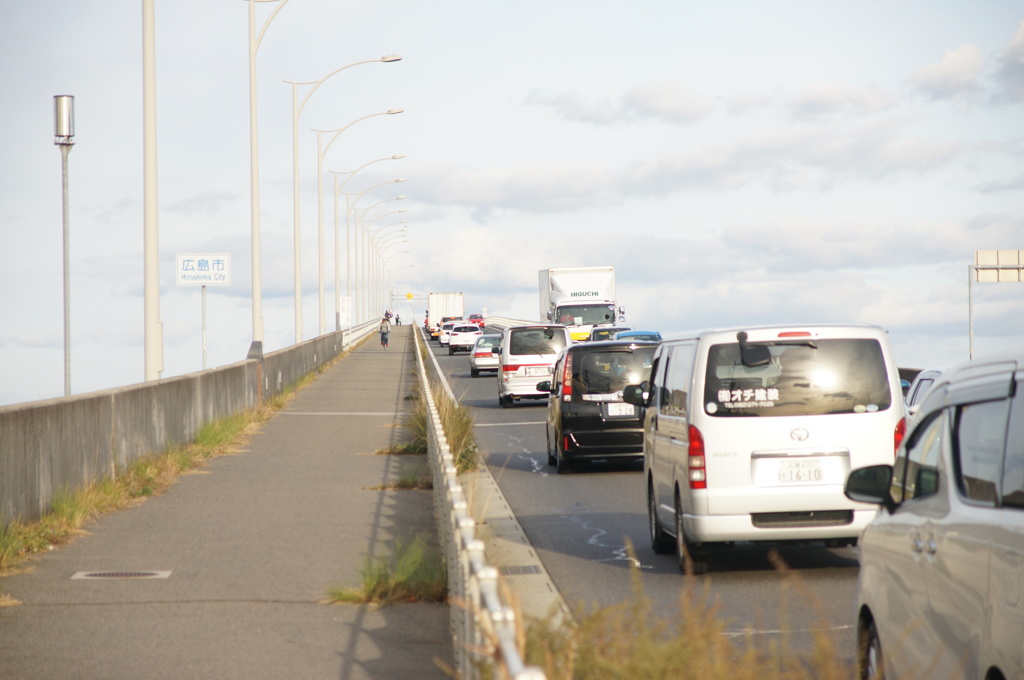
(337, 242)
(350, 210)
(64, 133)
(256, 349)
(297, 109)
(321, 152)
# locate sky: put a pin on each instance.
(738, 163)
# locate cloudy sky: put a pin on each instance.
(738, 163)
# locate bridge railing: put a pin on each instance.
(483, 626)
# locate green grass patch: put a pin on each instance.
(414, 572)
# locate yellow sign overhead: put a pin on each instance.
(408, 296)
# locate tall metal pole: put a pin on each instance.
(153, 329)
(63, 136)
(256, 348)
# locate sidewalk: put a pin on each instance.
(239, 556)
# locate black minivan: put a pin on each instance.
(587, 418)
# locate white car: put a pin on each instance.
(941, 585)
(442, 336)
(462, 337)
(482, 356)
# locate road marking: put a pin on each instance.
(539, 422)
(781, 631)
(388, 414)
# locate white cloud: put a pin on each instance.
(955, 75)
(828, 99)
(1010, 70)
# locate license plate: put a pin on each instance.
(617, 409)
(800, 471)
(534, 371)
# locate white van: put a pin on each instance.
(528, 355)
(749, 434)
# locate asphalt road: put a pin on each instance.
(582, 524)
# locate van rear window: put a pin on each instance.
(608, 371)
(802, 378)
(536, 341)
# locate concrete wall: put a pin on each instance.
(71, 441)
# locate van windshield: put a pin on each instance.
(828, 376)
(536, 340)
(578, 315)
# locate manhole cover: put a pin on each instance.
(119, 575)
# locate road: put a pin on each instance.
(581, 525)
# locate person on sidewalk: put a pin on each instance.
(384, 329)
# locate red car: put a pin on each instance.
(478, 319)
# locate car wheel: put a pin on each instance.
(869, 654)
(661, 542)
(506, 401)
(692, 562)
(474, 372)
(451, 350)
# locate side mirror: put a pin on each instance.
(544, 386)
(871, 485)
(635, 394)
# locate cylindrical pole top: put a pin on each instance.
(63, 119)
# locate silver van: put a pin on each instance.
(527, 357)
(749, 434)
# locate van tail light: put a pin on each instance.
(899, 434)
(567, 378)
(696, 460)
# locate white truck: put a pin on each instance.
(580, 298)
(442, 307)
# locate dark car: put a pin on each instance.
(587, 418)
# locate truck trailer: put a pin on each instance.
(443, 307)
(580, 298)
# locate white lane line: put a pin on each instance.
(539, 422)
(781, 631)
(388, 414)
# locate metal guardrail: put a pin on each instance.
(483, 627)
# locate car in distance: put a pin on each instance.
(921, 383)
(462, 336)
(749, 434)
(482, 357)
(587, 418)
(941, 582)
(605, 333)
(639, 336)
(527, 356)
(477, 319)
(442, 335)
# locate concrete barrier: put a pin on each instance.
(67, 443)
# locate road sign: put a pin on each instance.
(203, 269)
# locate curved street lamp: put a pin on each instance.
(321, 152)
(337, 242)
(359, 234)
(297, 109)
(256, 349)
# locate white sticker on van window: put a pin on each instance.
(761, 397)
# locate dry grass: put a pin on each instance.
(71, 510)
(628, 641)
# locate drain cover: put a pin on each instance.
(520, 571)
(119, 574)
